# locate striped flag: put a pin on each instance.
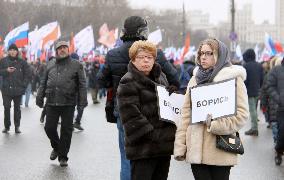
(269, 44)
(18, 36)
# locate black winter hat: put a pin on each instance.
(135, 27)
(13, 46)
(249, 55)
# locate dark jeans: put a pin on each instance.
(17, 110)
(62, 144)
(124, 162)
(210, 172)
(151, 168)
(280, 134)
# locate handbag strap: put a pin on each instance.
(237, 134)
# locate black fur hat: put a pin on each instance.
(13, 46)
(135, 28)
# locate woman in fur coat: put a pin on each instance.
(149, 141)
(196, 143)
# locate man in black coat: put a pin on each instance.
(135, 28)
(275, 86)
(16, 75)
(253, 84)
(64, 86)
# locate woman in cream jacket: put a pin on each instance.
(196, 143)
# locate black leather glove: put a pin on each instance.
(171, 89)
(39, 103)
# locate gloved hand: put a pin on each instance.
(263, 109)
(208, 120)
(171, 89)
(80, 108)
(180, 158)
(39, 103)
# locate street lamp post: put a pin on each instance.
(233, 35)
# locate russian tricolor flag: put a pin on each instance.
(18, 36)
(269, 44)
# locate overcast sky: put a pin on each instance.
(218, 9)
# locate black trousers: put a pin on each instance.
(210, 172)
(280, 134)
(17, 110)
(80, 111)
(62, 144)
(151, 168)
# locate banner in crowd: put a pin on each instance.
(218, 99)
(18, 36)
(169, 105)
(84, 41)
(107, 37)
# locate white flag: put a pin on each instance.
(33, 44)
(239, 52)
(49, 33)
(155, 37)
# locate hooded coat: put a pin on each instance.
(146, 136)
(197, 142)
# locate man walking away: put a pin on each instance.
(253, 84)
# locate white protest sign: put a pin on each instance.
(169, 106)
(218, 99)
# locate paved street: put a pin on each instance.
(94, 152)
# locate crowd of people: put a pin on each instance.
(130, 73)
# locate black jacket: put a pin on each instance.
(254, 79)
(275, 85)
(62, 81)
(268, 102)
(146, 135)
(116, 66)
(15, 83)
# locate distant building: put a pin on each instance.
(279, 19)
(248, 33)
(198, 20)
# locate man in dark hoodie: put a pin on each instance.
(135, 28)
(253, 84)
(16, 75)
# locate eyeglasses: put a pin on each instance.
(206, 53)
(142, 57)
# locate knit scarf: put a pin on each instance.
(203, 75)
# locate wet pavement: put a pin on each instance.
(94, 153)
